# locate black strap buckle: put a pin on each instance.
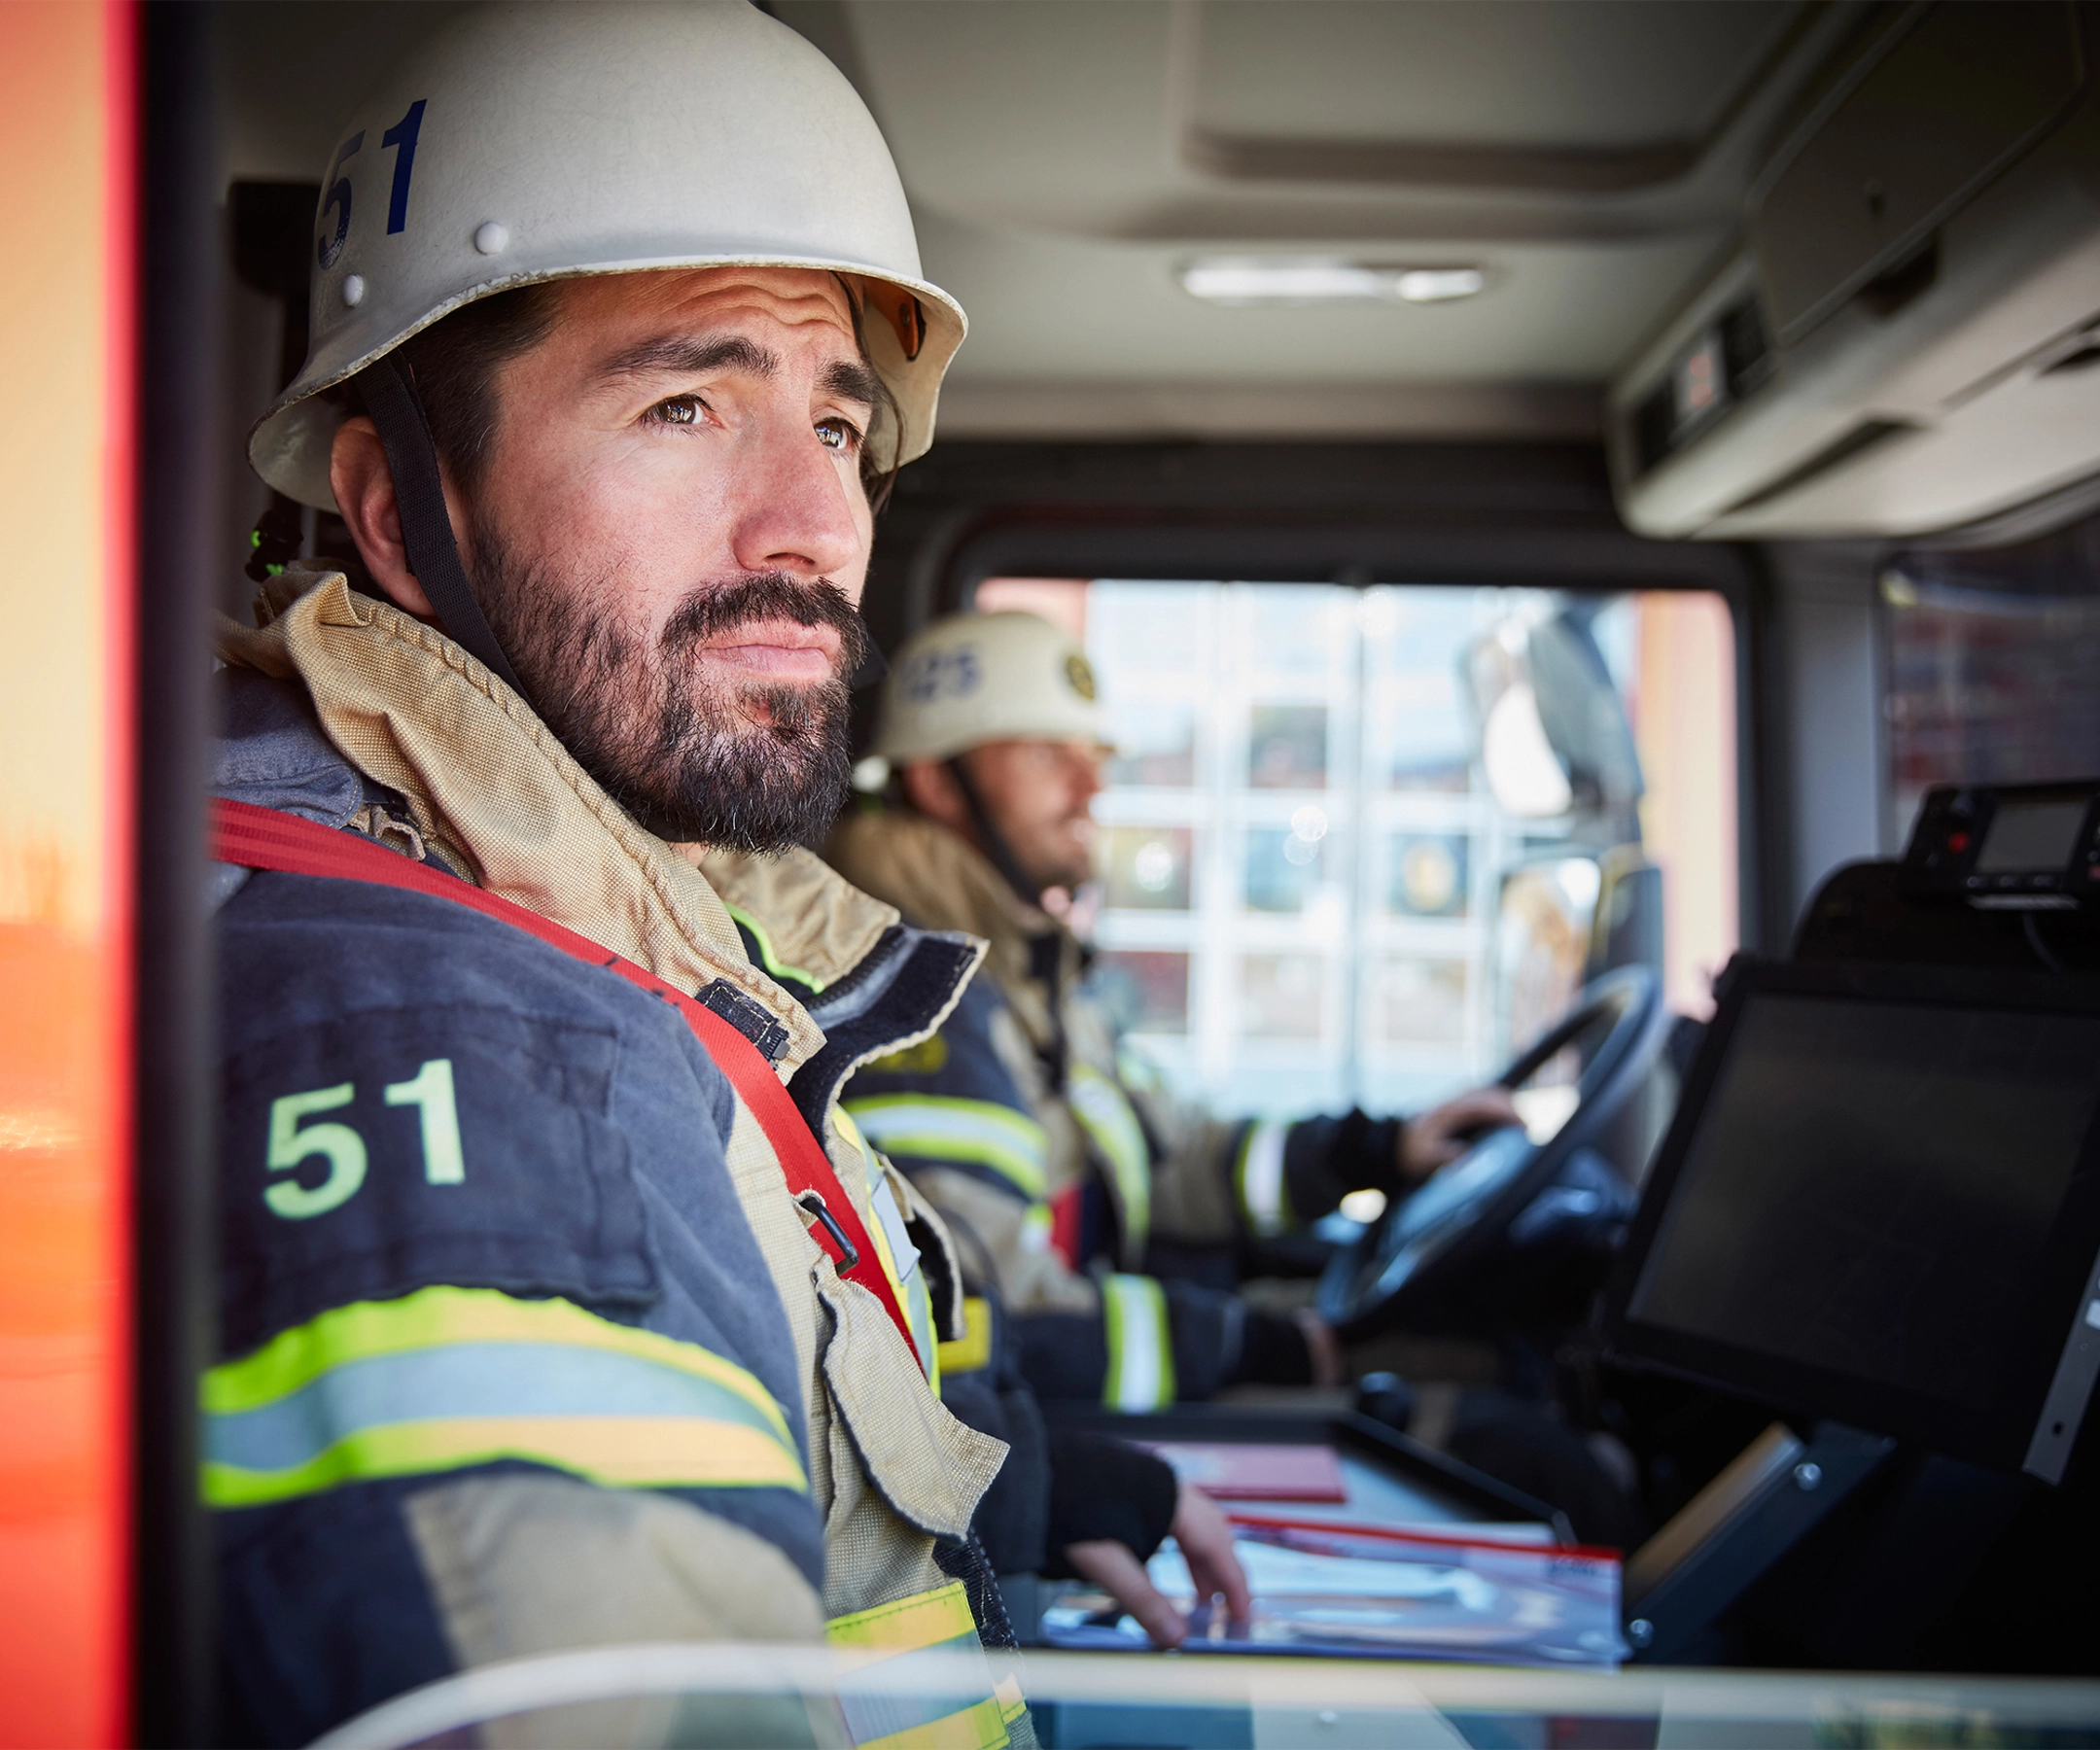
(813, 1203)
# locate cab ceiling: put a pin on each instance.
(1065, 157)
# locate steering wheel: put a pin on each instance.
(1425, 1244)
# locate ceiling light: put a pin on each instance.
(1315, 279)
(1439, 285)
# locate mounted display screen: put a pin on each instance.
(1862, 1211)
(2008, 844)
(2031, 835)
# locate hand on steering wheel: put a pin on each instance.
(1439, 1135)
(1464, 1192)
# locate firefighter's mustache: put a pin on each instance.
(709, 612)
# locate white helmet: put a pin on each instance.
(979, 678)
(544, 142)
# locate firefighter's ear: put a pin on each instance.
(931, 787)
(363, 488)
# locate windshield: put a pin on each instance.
(1314, 889)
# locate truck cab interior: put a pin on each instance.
(1587, 514)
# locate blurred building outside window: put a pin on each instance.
(1301, 868)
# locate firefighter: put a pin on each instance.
(1108, 1215)
(560, 1304)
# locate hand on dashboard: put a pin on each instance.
(1205, 1536)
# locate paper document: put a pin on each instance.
(1370, 1592)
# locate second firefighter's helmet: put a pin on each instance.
(977, 678)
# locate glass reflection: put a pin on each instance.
(1293, 632)
(1287, 748)
(1426, 877)
(1280, 995)
(1148, 868)
(1155, 745)
(1146, 990)
(1419, 1001)
(1284, 866)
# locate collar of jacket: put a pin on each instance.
(937, 879)
(500, 798)
(890, 996)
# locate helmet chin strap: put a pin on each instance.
(990, 839)
(391, 400)
(1047, 948)
(873, 671)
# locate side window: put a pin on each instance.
(1993, 667)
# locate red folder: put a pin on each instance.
(1256, 1473)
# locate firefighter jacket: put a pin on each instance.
(524, 1343)
(1048, 1150)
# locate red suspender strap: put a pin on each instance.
(262, 838)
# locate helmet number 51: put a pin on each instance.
(291, 1142)
(401, 136)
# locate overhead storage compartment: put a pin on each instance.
(1907, 340)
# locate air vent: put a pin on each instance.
(1654, 422)
(1723, 364)
(1746, 350)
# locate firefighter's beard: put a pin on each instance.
(755, 767)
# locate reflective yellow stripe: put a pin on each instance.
(929, 1057)
(622, 1451)
(1258, 1179)
(941, 1126)
(912, 1295)
(1106, 1114)
(973, 1348)
(927, 1620)
(982, 1726)
(768, 958)
(924, 1619)
(447, 1378)
(1012, 1703)
(434, 1317)
(842, 1116)
(1141, 1350)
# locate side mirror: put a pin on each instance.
(1550, 732)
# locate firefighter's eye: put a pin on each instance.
(679, 410)
(840, 435)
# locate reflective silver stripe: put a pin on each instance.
(899, 1256)
(1261, 1178)
(1141, 1349)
